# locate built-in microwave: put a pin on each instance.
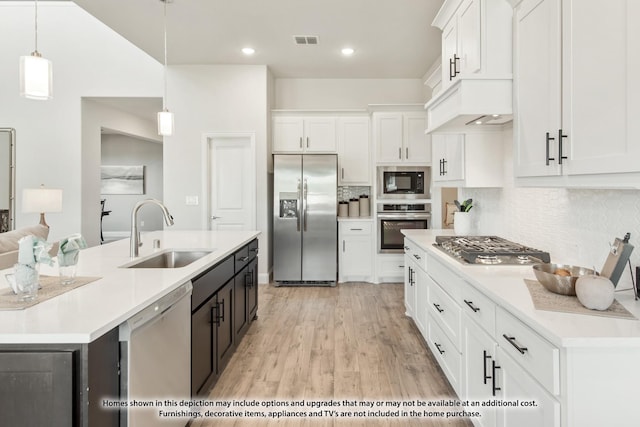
(404, 182)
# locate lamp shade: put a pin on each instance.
(41, 200)
(165, 123)
(36, 77)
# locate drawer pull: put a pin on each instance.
(484, 366)
(494, 380)
(512, 341)
(243, 259)
(441, 351)
(472, 307)
(437, 306)
(416, 256)
(356, 229)
(406, 248)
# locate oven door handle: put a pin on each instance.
(407, 216)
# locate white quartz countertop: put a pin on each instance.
(85, 313)
(505, 285)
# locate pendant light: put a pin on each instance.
(36, 72)
(165, 117)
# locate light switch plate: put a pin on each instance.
(192, 200)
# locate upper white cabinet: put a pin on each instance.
(304, 134)
(476, 63)
(576, 68)
(400, 138)
(354, 162)
(467, 160)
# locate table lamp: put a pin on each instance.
(41, 200)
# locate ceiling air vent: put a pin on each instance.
(304, 40)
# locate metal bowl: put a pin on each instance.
(563, 285)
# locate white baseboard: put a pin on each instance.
(263, 278)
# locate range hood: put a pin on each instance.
(471, 102)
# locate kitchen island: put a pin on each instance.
(493, 344)
(67, 347)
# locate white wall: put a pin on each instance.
(346, 93)
(214, 98)
(89, 60)
(128, 150)
(575, 226)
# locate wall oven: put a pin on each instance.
(392, 218)
(404, 182)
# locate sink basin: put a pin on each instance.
(169, 259)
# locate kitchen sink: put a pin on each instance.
(169, 259)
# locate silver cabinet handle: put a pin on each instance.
(400, 153)
(355, 229)
(342, 173)
(307, 142)
(343, 247)
(213, 217)
(407, 153)
(300, 142)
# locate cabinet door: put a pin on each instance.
(252, 292)
(355, 256)
(37, 388)
(354, 163)
(320, 135)
(420, 304)
(515, 383)
(438, 154)
(388, 136)
(224, 328)
(241, 288)
(449, 52)
(417, 144)
(537, 87)
(288, 134)
(479, 351)
(469, 37)
(202, 345)
(454, 165)
(600, 114)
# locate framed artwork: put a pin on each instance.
(122, 179)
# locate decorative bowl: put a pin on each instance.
(559, 284)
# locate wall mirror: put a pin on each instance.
(7, 179)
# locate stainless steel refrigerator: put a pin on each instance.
(305, 226)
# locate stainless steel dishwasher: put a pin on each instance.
(155, 353)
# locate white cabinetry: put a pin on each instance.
(467, 160)
(356, 251)
(354, 162)
(400, 138)
(304, 134)
(571, 122)
(416, 284)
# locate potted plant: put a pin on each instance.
(462, 218)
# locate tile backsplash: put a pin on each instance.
(575, 225)
(350, 192)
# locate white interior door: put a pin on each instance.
(232, 182)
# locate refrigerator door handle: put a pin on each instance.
(298, 218)
(305, 204)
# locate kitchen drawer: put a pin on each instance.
(355, 228)
(447, 279)
(390, 265)
(205, 285)
(253, 249)
(416, 252)
(535, 354)
(479, 308)
(446, 312)
(241, 257)
(446, 354)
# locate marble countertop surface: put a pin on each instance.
(505, 286)
(85, 313)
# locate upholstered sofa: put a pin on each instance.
(9, 243)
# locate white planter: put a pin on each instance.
(462, 222)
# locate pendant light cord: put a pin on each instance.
(164, 99)
(36, 25)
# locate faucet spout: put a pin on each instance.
(135, 234)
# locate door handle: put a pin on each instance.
(441, 351)
(300, 142)
(471, 306)
(512, 341)
(548, 139)
(494, 381)
(213, 217)
(484, 366)
(561, 136)
(444, 167)
(342, 173)
(305, 207)
(437, 306)
(221, 315)
(400, 153)
(406, 153)
(298, 218)
(456, 59)
(343, 247)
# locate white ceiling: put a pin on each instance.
(392, 38)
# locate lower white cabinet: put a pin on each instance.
(516, 384)
(355, 251)
(409, 287)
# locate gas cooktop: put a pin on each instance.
(489, 250)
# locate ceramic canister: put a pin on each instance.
(354, 207)
(343, 208)
(364, 205)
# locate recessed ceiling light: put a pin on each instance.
(478, 122)
(347, 51)
(248, 50)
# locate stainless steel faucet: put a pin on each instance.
(135, 234)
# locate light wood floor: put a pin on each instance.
(348, 342)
